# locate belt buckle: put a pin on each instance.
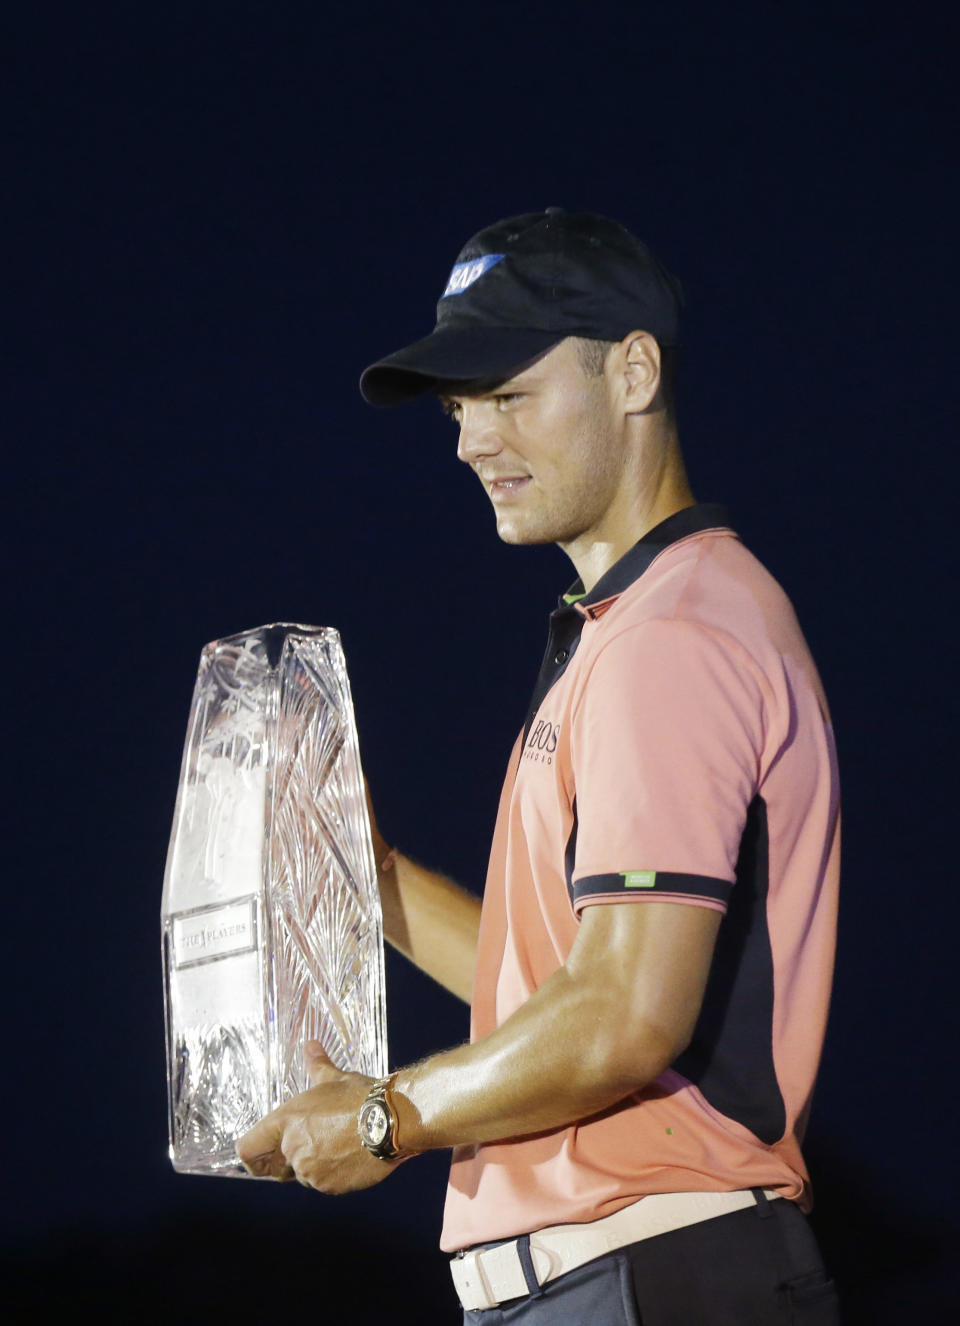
(469, 1280)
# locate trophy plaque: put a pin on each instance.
(272, 932)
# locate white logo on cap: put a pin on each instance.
(465, 273)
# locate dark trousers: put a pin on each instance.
(757, 1267)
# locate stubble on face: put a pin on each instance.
(573, 493)
(566, 437)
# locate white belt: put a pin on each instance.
(487, 1277)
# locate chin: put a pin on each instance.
(523, 538)
(530, 534)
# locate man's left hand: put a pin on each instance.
(313, 1138)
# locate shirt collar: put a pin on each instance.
(631, 566)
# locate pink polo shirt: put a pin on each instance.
(680, 749)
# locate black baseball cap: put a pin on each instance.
(521, 286)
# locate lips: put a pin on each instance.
(508, 487)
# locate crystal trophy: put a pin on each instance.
(272, 932)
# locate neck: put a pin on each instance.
(659, 489)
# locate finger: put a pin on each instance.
(270, 1165)
(265, 1166)
(320, 1067)
(257, 1148)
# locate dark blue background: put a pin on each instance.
(216, 216)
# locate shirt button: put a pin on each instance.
(560, 656)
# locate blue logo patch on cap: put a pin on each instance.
(465, 273)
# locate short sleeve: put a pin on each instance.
(666, 739)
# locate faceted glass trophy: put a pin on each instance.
(272, 932)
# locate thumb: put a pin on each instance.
(319, 1064)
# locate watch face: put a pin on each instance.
(374, 1123)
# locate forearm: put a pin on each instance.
(602, 1027)
(561, 1057)
(431, 921)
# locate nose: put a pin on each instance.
(479, 437)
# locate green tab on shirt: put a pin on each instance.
(639, 879)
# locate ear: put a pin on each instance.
(640, 359)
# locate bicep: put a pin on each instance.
(651, 960)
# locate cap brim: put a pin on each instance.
(452, 354)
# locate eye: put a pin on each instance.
(507, 399)
(451, 409)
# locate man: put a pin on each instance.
(651, 971)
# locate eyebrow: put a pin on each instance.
(455, 391)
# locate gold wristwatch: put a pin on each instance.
(377, 1122)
